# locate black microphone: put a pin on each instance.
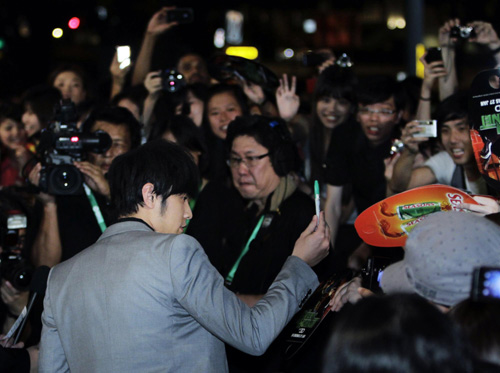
(37, 289)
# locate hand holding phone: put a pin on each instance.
(123, 56)
(433, 54)
(180, 15)
(486, 284)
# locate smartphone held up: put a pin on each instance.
(123, 55)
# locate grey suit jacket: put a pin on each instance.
(140, 301)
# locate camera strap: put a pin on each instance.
(95, 207)
(230, 276)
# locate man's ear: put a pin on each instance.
(148, 195)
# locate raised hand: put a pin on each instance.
(287, 100)
(153, 82)
(158, 23)
(254, 92)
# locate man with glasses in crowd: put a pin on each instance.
(355, 159)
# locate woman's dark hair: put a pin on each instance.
(336, 82)
(396, 333)
(115, 115)
(9, 110)
(187, 135)
(271, 133)
(339, 83)
(168, 166)
(42, 100)
(74, 69)
(232, 89)
(479, 323)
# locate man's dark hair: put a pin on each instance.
(271, 133)
(379, 88)
(396, 333)
(166, 165)
(451, 108)
(118, 116)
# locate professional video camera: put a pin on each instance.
(13, 266)
(60, 145)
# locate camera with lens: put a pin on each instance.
(172, 80)
(13, 266)
(463, 32)
(60, 145)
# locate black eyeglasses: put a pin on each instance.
(250, 161)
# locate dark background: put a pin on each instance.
(356, 27)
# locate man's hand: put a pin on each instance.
(487, 206)
(7, 343)
(432, 71)
(444, 33)
(153, 82)
(411, 142)
(350, 292)
(254, 92)
(313, 244)
(287, 100)
(94, 177)
(158, 23)
(14, 299)
(485, 34)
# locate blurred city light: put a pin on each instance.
(250, 53)
(102, 13)
(234, 27)
(396, 22)
(57, 33)
(74, 23)
(419, 52)
(220, 38)
(309, 26)
(288, 53)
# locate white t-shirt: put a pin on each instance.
(443, 167)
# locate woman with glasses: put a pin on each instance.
(259, 218)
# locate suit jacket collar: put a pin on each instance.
(126, 225)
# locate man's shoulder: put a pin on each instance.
(441, 158)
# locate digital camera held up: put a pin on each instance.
(60, 145)
(463, 32)
(172, 80)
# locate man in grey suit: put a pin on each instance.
(145, 298)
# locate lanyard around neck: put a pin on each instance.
(230, 276)
(95, 207)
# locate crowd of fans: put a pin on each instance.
(258, 154)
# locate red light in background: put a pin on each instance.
(74, 139)
(74, 23)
